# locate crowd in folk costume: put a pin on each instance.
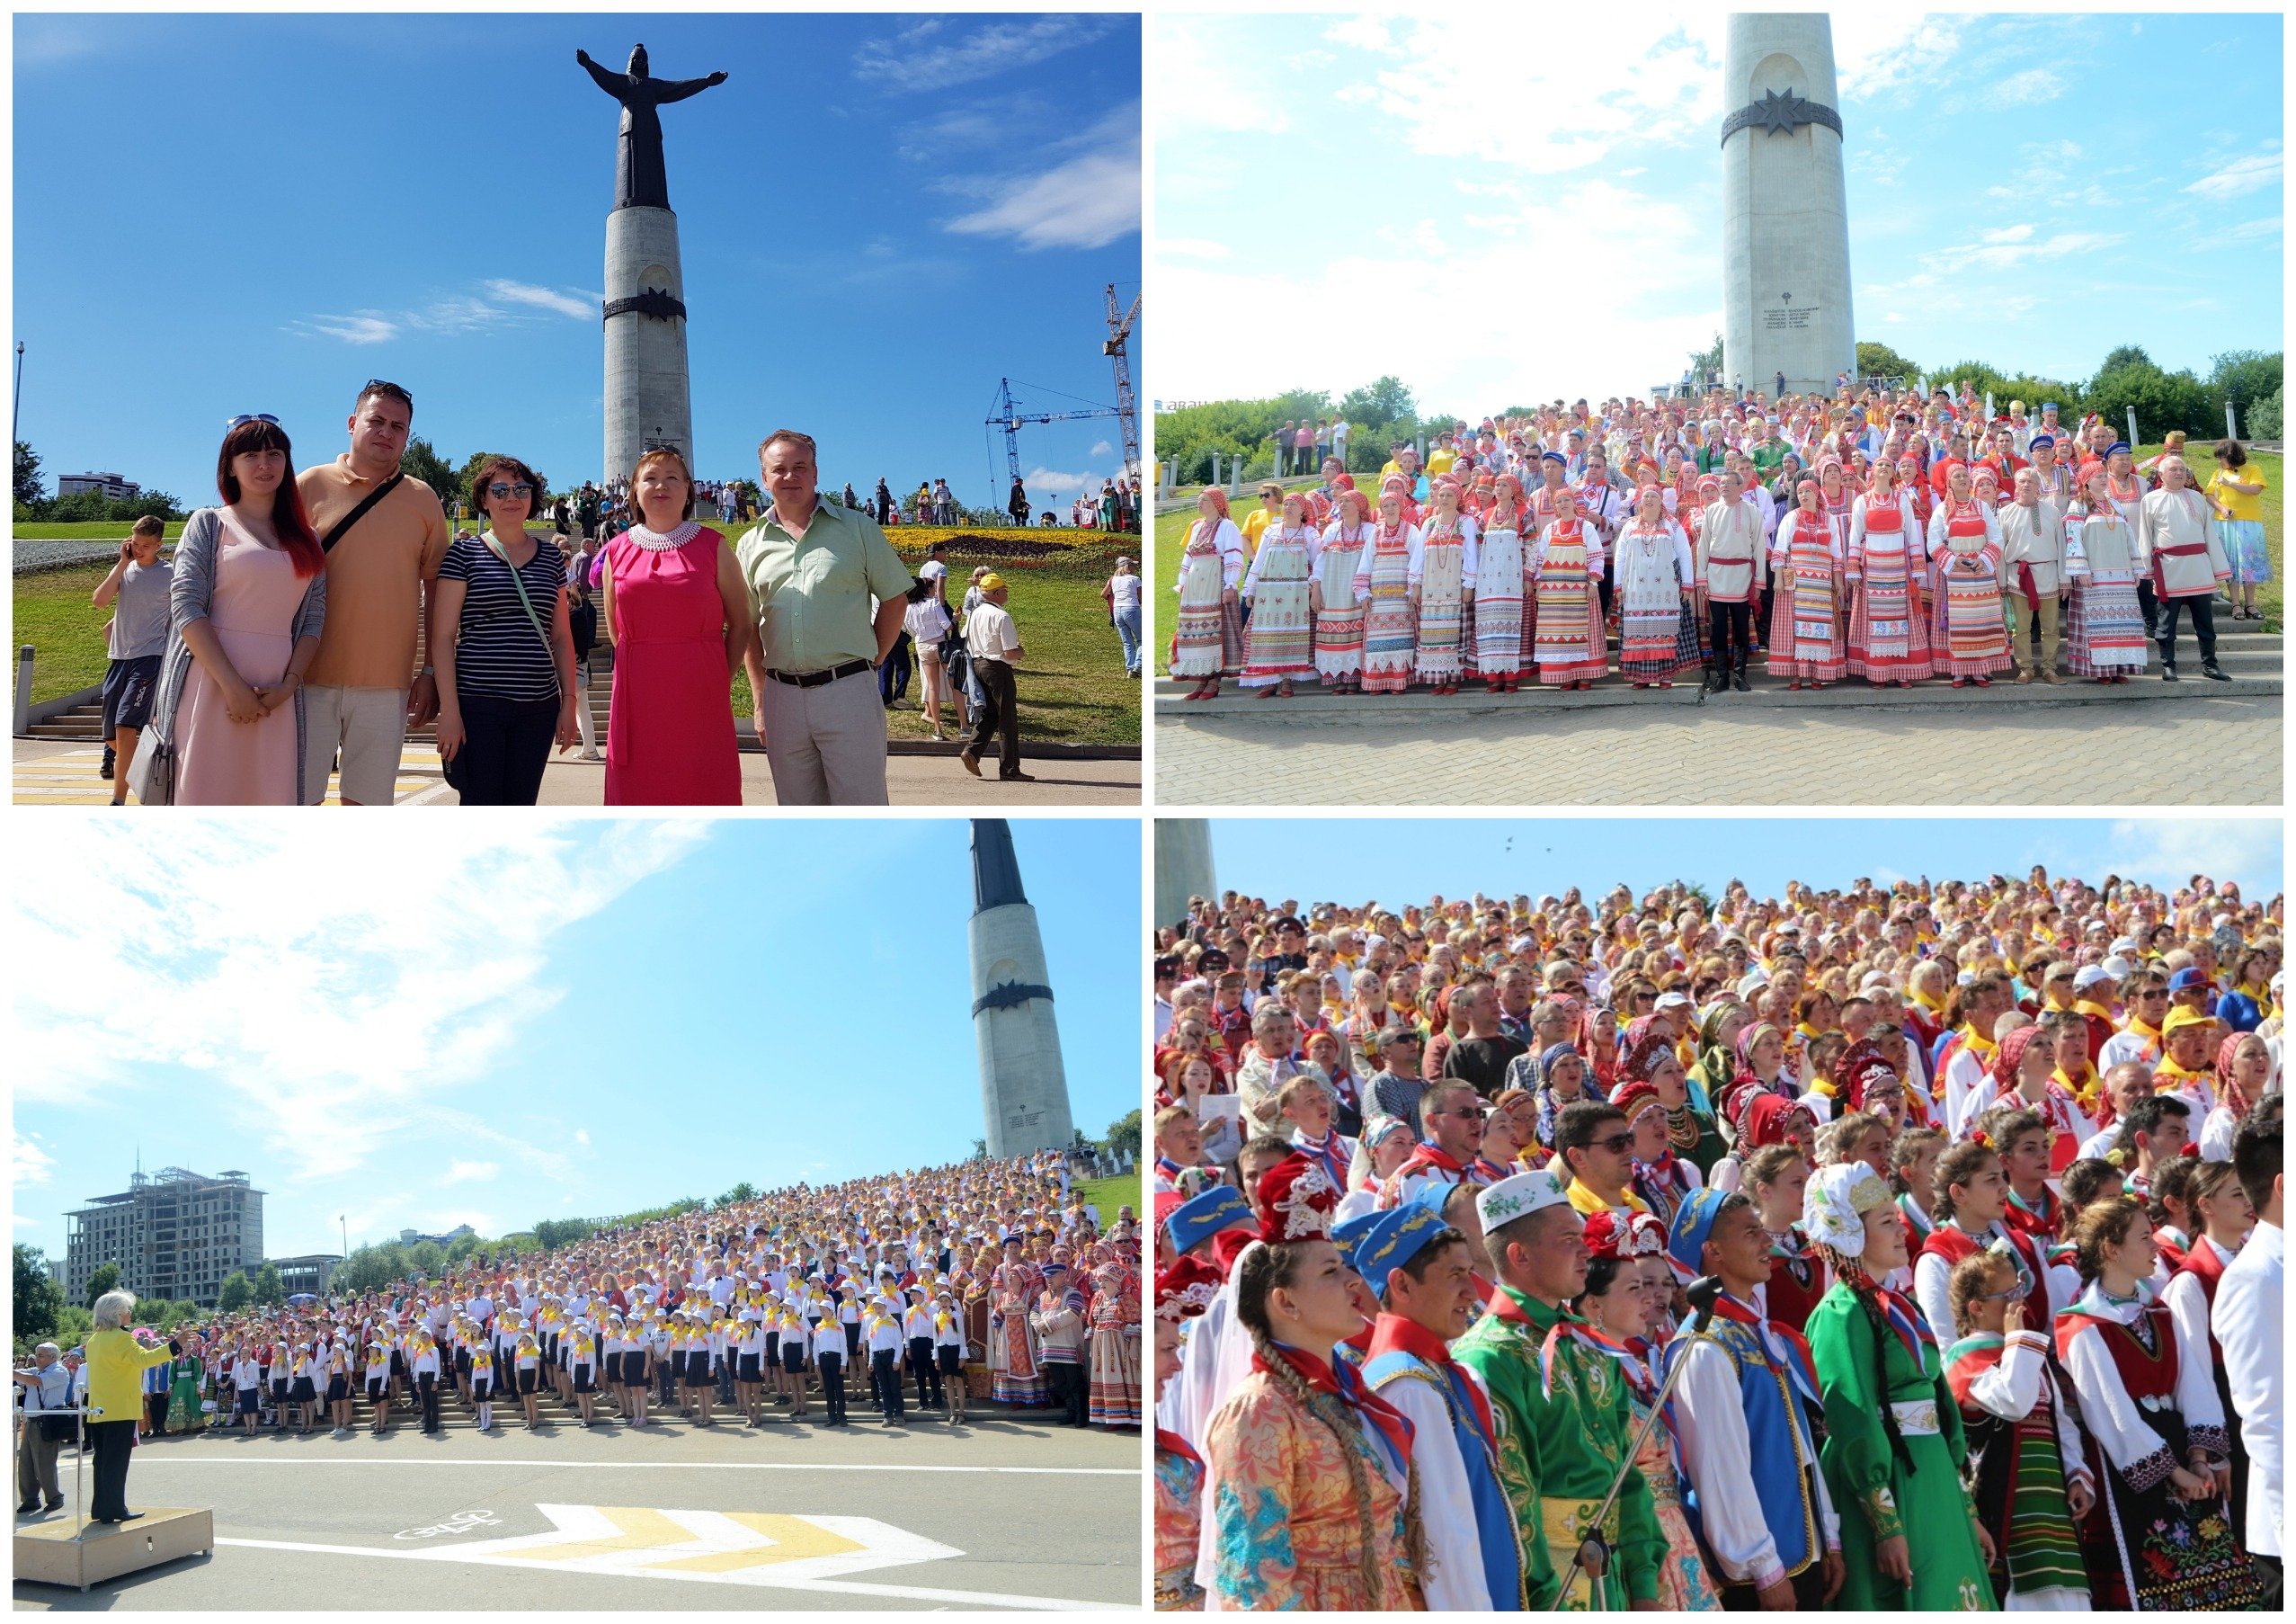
(1912, 1245)
(1879, 536)
(901, 1288)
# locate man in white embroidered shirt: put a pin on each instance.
(992, 643)
(2247, 1319)
(812, 568)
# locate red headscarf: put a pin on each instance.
(2006, 1059)
(1217, 497)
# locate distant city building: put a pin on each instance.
(408, 1238)
(111, 487)
(174, 1234)
(310, 1273)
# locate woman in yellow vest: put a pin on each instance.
(116, 1359)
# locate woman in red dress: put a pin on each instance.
(679, 615)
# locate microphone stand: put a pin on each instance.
(1593, 1553)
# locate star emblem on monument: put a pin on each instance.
(1780, 111)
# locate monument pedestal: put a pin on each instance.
(647, 399)
(48, 1553)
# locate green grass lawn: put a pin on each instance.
(97, 530)
(1171, 532)
(1071, 680)
(1106, 1195)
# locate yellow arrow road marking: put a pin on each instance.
(793, 1539)
(642, 1530)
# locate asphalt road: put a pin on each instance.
(998, 1514)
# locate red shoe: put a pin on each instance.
(1985, 682)
(1794, 684)
(1958, 682)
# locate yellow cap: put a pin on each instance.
(992, 581)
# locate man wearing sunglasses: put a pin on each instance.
(363, 692)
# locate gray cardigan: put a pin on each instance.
(192, 594)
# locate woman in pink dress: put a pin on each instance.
(248, 601)
(679, 616)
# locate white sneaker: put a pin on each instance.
(590, 755)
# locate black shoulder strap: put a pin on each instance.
(342, 525)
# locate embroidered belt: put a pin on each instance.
(1919, 1417)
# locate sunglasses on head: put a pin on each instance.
(251, 417)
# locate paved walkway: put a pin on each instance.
(53, 774)
(2223, 752)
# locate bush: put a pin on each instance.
(2264, 419)
(2245, 377)
(2161, 400)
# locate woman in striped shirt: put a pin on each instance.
(506, 678)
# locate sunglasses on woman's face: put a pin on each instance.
(522, 488)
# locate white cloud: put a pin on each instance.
(2009, 254)
(365, 329)
(2246, 231)
(581, 1135)
(2030, 88)
(293, 980)
(1048, 486)
(2008, 233)
(465, 1172)
(1192, 247)
(2240, 176)
(926, 56)
(1878, 50)
(1101, 448)
(576, 304)
(1364, 33)
(29, 1163)
(1207, 83)
(1084, 203)
(2168, 851)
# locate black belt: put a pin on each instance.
(814, 679)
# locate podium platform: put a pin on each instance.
(48, 1553)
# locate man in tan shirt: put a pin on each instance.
(362, 692)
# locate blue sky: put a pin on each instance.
(1404, 861)
(487, 1021)
(1500, 206)
(879, 218)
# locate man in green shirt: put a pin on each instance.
(1769, 451)
(812, 568)
(1561, 1440)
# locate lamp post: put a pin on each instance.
(16, 410)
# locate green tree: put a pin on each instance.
(478, 460)
(2161, 400)
(235, 1294)
(980, 1150)
(462, 1247)
(73, 1324)
(1124, 1134)
(1880, 361)
(2265, 420)
(1387, 400)
(427, 1259)
(1708, 360)
(29, 492)
(269, 1290)
(37, 1298)
(2244, 377)
(420, 461)
(103, 1278)
(743, 1191)
(551, 1233)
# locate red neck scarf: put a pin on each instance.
(1394, 1333)
(1173, 1443)
(1390, 1428)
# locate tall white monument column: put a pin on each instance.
(1785, 216)
(1183, 866)
(647, 402)
(1024, 1087)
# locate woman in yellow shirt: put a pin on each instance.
(2237, 491)
(116, 1362)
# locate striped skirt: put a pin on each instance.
(1889, 636)
(1112, 1394)
(1805, 639)
(1441, 627)
(1569, 641)
(1499, 641)
(1388, 638)
(1338, 640)
(2106, 629)
(1656, 643)
(1278, 644)
(1972, 626)
(2041, 1551)
(1207, 642)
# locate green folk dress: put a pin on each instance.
(1878, 1495)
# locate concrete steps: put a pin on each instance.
(2252, 657)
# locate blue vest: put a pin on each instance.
(1775, 1421)
(1495, 1531)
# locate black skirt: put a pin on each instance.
(582, 1381)
(462, 1362)
(375, 1386)
(301, 1391)
(747, 1370)
(338, 1388)
(398, 1365)
(482, 1386)
(527, 1380)
(952, 1360)
(793, 1356)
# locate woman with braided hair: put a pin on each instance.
(1894, 1449)
(1312, 1502)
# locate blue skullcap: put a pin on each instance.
(1349, 1237)
(1435, 1194)
(1395, 1239)
(2038, 440)
(2118, 445)
(1222, 1207)
(1693, 1220)
(2048, 406)
(1554, 457)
